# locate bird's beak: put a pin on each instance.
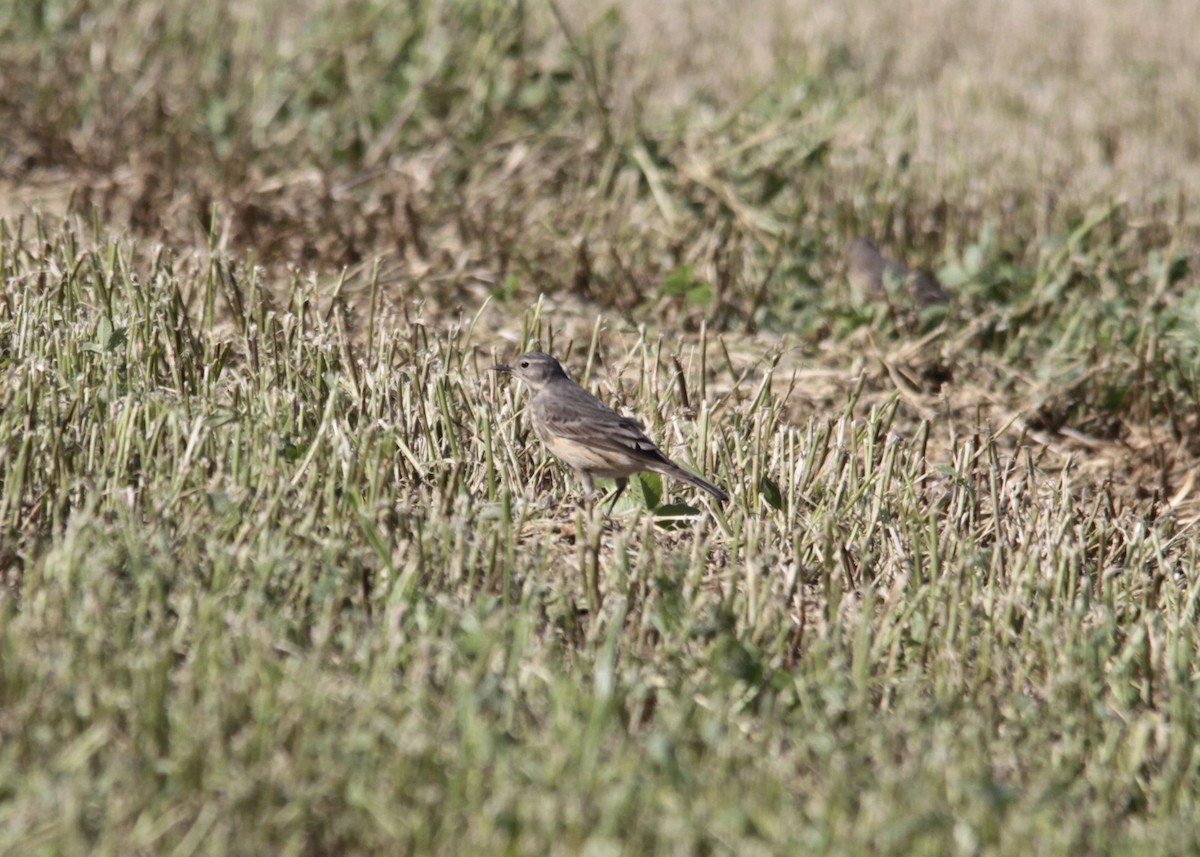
(502, 367)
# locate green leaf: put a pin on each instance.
(222, 415)
(973, 259)
(700, 295)
(107, 338)
(674, 516)
(292, 452)
(677, 510)
(770, 492)
(953, 275)
(508, 289)
(650, 486)
(680, 281)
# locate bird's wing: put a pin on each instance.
(574, 413)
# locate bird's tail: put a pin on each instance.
(677, 472)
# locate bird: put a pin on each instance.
(586, 434)
(873, 274)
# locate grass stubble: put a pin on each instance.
(284, 570)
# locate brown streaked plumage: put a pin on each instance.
(875, 275)
(586, 434)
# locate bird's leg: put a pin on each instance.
(621, 483)
(589, 486)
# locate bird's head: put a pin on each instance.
(535, 368)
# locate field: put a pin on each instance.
(284, 570)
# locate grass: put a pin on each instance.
(284, 569)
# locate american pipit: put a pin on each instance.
(872, 274)
(586, 434)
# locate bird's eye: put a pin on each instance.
(524, 364)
